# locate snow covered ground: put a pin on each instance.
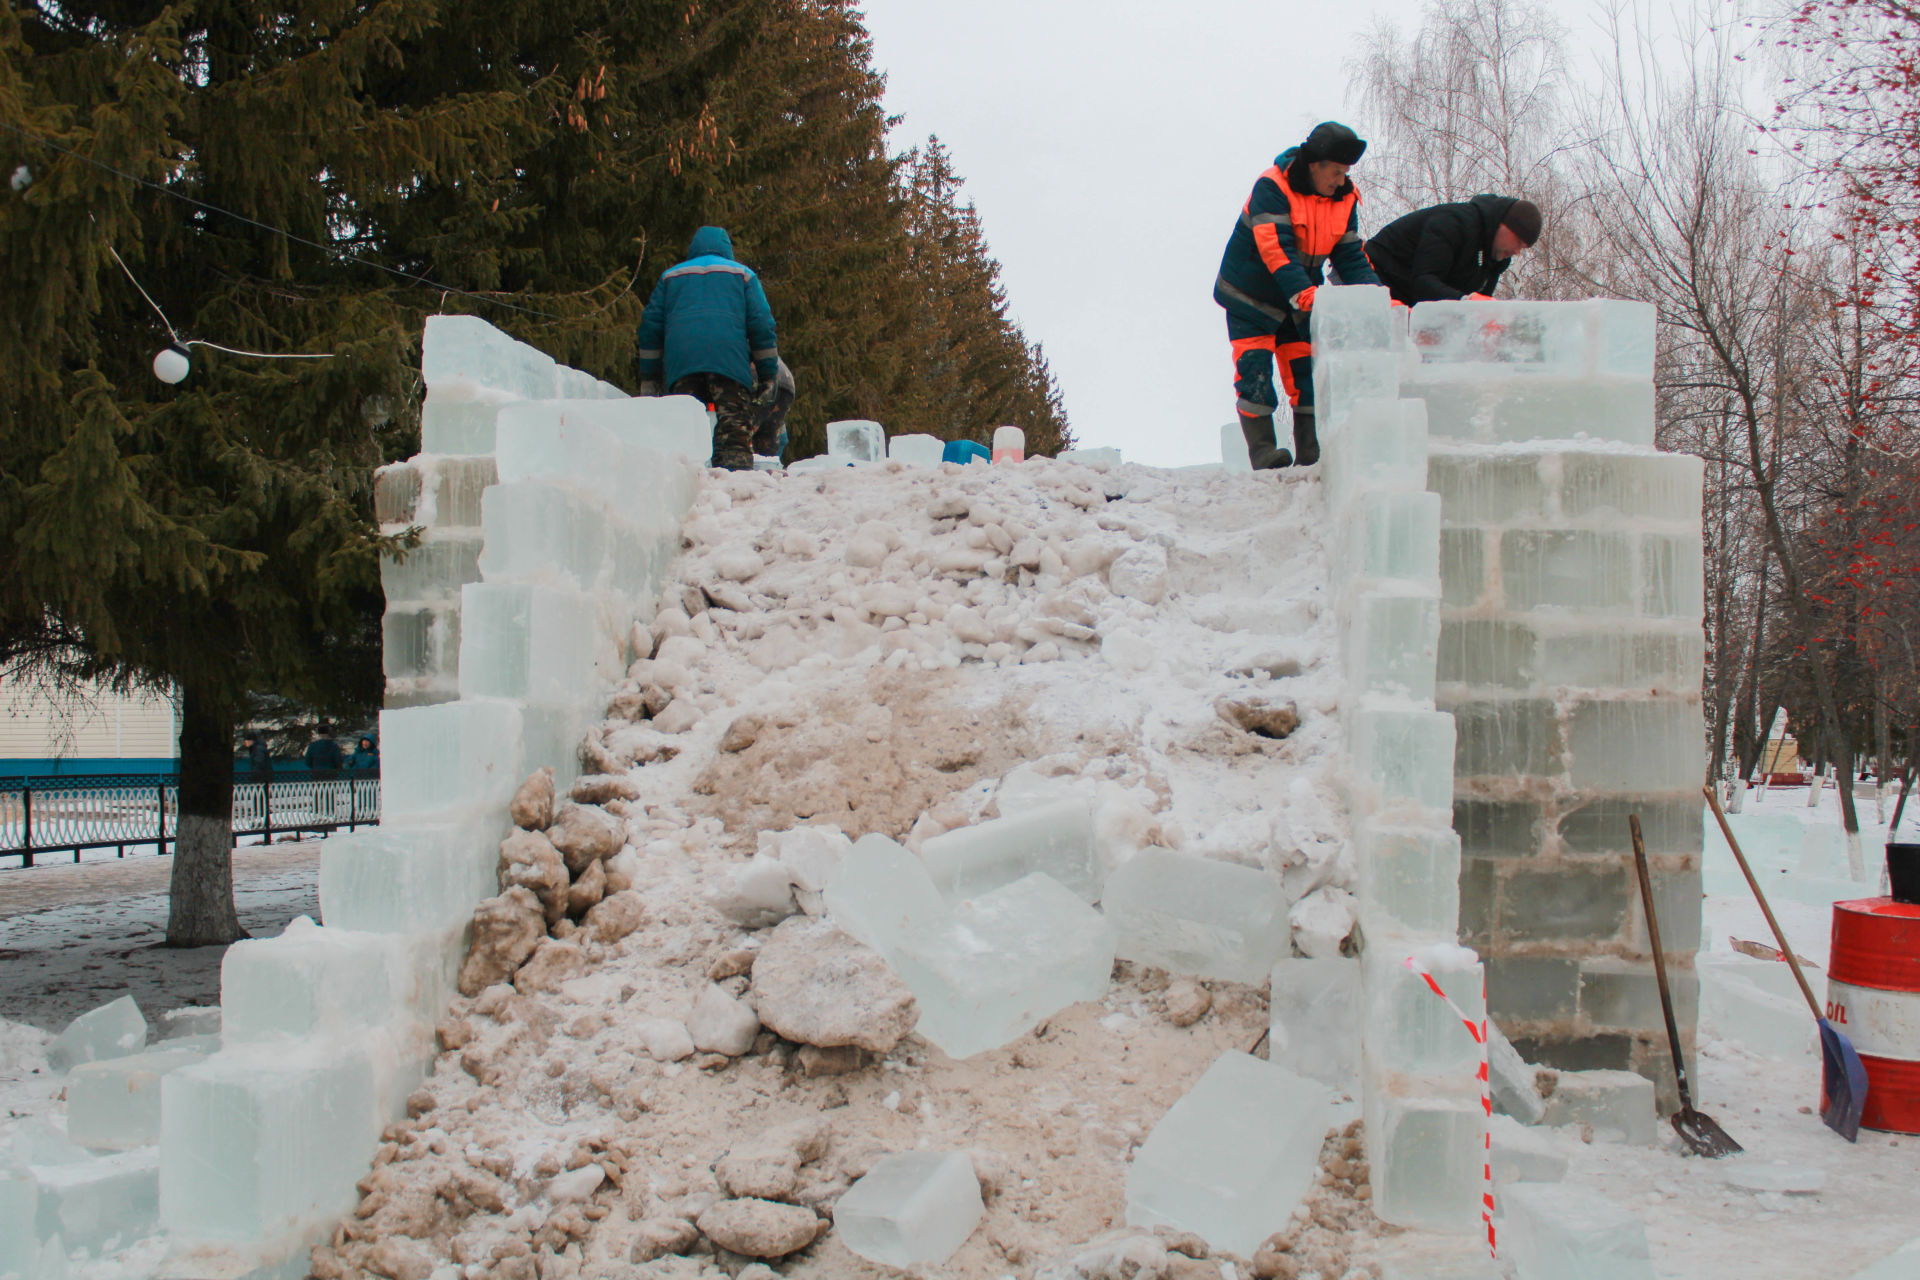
(900, 651)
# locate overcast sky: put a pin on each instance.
(1109, 145)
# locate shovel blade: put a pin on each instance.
(1843, 1083)
(1703, 1135)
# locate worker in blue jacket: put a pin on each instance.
(708, 332)
(1302, 218)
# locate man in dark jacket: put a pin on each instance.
(1303, 217)
(708, 332)
(1453, 250)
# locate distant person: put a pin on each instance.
(1302, 218)
(770, 436)
(324, 756)
(366, 756)
(259, 763)
(1453, 251)
(708, 332)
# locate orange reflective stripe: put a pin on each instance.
(1265, 342)
(1267, 238)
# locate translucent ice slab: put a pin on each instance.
(1617, 1105)
(1315, 1019)
(1391, 535)
(452, 424)
(676, 425)
(1554, 1232)
(1197, 915)
(1428, 1154)
(256, 1144)
(1478, 489)
(1090, 457)
(403, 878)
(1380, 444)
(1662, 486)
(1056, 838)
(306, 980)
(1352, 318)
(1003, 962)
(1541, 406)
(1565, 338)
(1521, 1154)
(1233, 448)
(914, 1208)
(1637, 746)
(463, 754)
(465, 352)
(115, 1105)
(1409, 1029)
(1198, 1172)
(539, 441)
(1409, 878)
(1567, 569)
(540, 533)
(883, 896)
(1342, 379)
(113, 1030)
(860, 439)
(99, 1204)
(422, 643)
(1392, 642)
(445, 561)
(536, 643)
(1402, 758)
(917, 450)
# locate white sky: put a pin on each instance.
(1109, 145)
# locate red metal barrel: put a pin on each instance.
(1873, 998)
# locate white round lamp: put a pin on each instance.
(171, 364)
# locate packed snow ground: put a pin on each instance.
(893, 648)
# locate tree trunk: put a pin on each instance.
(1753, 751)
(201, 911)
(1883, 748)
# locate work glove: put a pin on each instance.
(1478, 297)
(765, 392)
(1303, 300)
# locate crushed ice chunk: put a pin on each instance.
(754, 894)
(913, 1208)
(859, 439)
(1055, 838)
(1197, 915)
(1553, 1232)
(1315, 1011)
(883, 896)
(113, 1030)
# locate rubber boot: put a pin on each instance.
(1262, 451)
(1306, 443)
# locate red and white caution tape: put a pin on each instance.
(1478, 1030)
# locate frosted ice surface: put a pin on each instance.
(1409, 877)
(917, 1207)
(99, 1204)
(1055, 838)
(1198, 1172)
(1381, 444)
(1663, 486)
(1553, 1232)
(113, 1030)
(407, 878)
(1521, 1154)
(1637, 746)
(812, 856)
(1428, 1155)
(452, 427)
(445, 561)
(1902, 1264)
(1314, 1007)
(859, 439)
(1408, 1028)
(1342, 379)
(1352, 318)
(1515, 409)
(1567, 569)
(917, 450)
(115, 1105)
(1618, 1105)
(465, 352)
(19, 1206)
(306, 980)
(190, 1020)
(1402, 757)
(826, 462)
(1392, 642)
(753, 894)
(1003, 962)
(1776, 1176)
(256, 1143)
(1479, 489)
(1197, 915)
(1391, 535)
(883, 896)
(1234, 455)
(457, 754)
(537, 532)
(1620, 656)
(676, 425)
(1513, 1080)
(536, 643)
(1565, 338)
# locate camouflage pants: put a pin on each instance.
(734, 416)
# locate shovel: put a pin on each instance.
(1702, 1134)
(1843, 1080)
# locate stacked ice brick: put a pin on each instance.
(1425, 1124)
(1571, 658)
(327, 1030)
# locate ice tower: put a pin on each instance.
(1519, 575)
(550, 507)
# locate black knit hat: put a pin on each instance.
(1331, 140)
(1523, 219)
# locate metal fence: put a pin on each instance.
(48, 817)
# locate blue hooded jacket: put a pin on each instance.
(708, 315)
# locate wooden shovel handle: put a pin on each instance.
(1761, 898)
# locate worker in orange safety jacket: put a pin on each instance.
(1302, 218)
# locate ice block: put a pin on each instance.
(445, 561)
(1402, 759)
(113, 1030)
(1198, 1172)
(1197, 915)
(1352, 318)
(1427, 1147)
(536, 643)
(1617, 1105)
(99, 1205)
(916, 450)
(1409, 1029)
(1233, 449)
(1409, 877)
(1392, 535)
(1003, 962)
(1392, 642)
(859, 439)
(1055, 838)
(883, 896)
(115, 1105)
(461, 754)
(1554, 1232)
(408, 877)
(913, 1208)
(307, 980)
(1314, 1007)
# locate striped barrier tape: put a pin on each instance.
(1478, 1030)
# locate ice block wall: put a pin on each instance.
(1425, 1126)
(1571, 655)
(551, 507)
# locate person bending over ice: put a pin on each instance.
(708, 332)
(1302, 218)
(1452, 251)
